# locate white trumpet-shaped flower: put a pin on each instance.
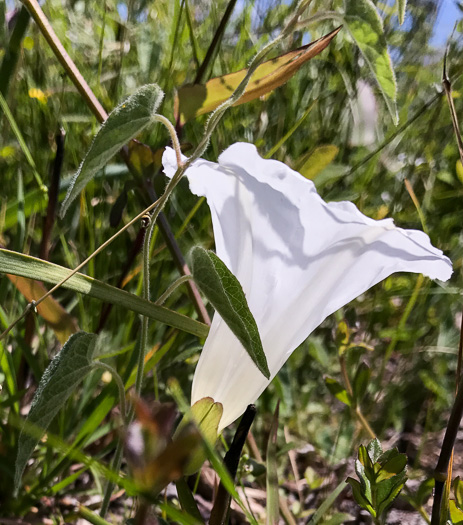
(298, 259)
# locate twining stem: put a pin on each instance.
(172, 288)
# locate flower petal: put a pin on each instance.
(297, 258)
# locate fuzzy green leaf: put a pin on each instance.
(58, 382)
(123, 124)
(224, 292)
(366, 27)
(401, 8)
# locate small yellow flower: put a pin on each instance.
(38, 94)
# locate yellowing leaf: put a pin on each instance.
(317, 160)
(197, 99)
(62, 323)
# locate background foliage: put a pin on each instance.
(406, 330)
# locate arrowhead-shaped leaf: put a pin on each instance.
(197, 99)
(123, 124)
(58, 382)
(366, 27)
(224, 292)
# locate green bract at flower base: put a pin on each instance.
(298, 260)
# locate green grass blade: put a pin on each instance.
(26, 266)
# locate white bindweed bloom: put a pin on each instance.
(298, 259)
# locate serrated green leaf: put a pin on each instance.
(387, 455)
(392, 467)
(361, 380)
(364, 479)
(401, 8)
(359, 496)
(388, 490)
(458, 491)
(456, 514)
(58, 382)
(123, 124)
(19, 264)
(366, 27)
(364, 457)
(224, 291)
(374, 450)
(337, 390)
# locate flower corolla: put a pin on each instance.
(298, 259)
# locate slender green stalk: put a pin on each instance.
(91, 517)
(172, 288)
